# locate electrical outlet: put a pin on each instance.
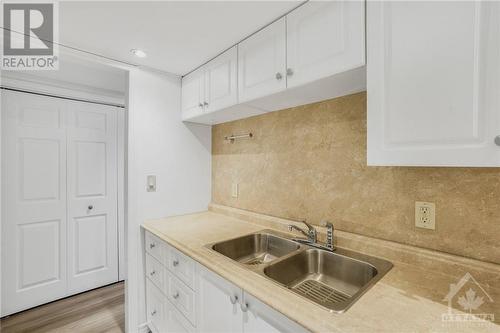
(234, 190)
(425, 215)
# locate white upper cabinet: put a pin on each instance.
(433, 83)
(211, 87)
(193, 94)
(221, 81)
(262, 62)
(324, 38)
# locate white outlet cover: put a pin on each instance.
(425, 215)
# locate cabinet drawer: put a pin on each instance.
(154, 246)
(155, 272)
(155, 302)
(181, 266)
(182, 297)
(175, 321)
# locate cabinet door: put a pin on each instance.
(433, 83)
(221, 81)
(262, 62)
(260, 318)
(155, 302)
(324, 38)
(175, 322)
(218, 308)
(193, 90)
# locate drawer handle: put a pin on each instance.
(153, 312)
(244, 307)
(233, 299)
(176, 295)
(175, 263)
(152, 273)
(151, 246)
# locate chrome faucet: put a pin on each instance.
(311, 234)
(329, 235)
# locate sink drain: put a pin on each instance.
(319, 292)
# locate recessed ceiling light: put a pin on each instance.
(138, 53)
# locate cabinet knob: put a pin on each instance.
(151, 245)
(205, 103)
(289, 71)
(90, 207)
(497, 140)
(200, 105)
(176, 295)
(233, 299)
(175, 263)
(244, 307)
(279, 76)
(153, 312)
(152, 273)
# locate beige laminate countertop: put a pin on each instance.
(408, 299)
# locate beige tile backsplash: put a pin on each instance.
(310, 162)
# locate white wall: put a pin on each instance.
(178, 154)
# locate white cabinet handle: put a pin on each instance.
(497, 140)
(176, 295)
(233, 299)
(279, 76)
(289, 71)
(175, 263)
(244, 307)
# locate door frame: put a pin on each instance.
(68, 91)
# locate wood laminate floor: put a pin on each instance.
(95, 311)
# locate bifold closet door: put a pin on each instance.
(34, 256)
(92, 196)
(59, 198)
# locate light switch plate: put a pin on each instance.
(425, 215)
(234, 190)
(151, 183)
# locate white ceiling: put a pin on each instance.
(177, 36)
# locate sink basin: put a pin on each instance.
(256, 249)
(332, 279)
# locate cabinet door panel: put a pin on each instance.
(215, 311)
(261, 62)
(221, 81)
(193, 90)
(433, 78)
(324, 38)
(260, 318)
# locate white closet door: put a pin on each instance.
(92, 197)
(33, 201)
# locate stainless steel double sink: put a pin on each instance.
(332, 279)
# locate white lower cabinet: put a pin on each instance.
(209, 304)
(260, 318)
